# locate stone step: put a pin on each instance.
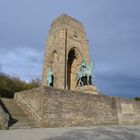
(21, 127)
(24, 125)
(20, 118)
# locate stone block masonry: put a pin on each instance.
(4, 118)
(128, 111)
(66, 46)
(65, 108)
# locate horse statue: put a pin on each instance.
(81, 72)
(85, 70)
(49, 77)
(79, 76)
(89, 71)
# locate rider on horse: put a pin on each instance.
(85, 70)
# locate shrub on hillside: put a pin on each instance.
(137, 98)
(10, 85)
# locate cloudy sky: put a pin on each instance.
(113, 31)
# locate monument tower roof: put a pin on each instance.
(64, 17)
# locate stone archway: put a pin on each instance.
(54, 69)
(74, 60)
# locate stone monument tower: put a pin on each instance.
(66, 48)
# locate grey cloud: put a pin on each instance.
(113, 30)
(119, 84)
(23, 63)
(0, 69)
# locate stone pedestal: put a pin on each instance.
(92, 89)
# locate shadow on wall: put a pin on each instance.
(11, 120)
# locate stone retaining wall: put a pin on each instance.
(31, 101)
(64, 108)
(4, 118)
(128, 111)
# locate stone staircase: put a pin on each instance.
(19, 118)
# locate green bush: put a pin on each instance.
(137, 98)
(10, 85)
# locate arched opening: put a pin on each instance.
(53, 67)
(55, 56)
(72, 68)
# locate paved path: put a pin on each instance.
(79, 133)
